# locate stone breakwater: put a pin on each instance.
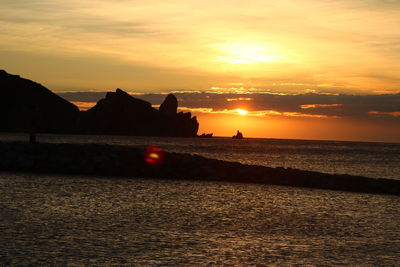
(107, 160)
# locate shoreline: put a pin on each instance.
(129, 161)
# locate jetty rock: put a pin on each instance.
(122, 114)
(29, 106)
(130, 161)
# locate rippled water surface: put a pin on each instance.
(376, 160)
(89, 221)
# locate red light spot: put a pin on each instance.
(154, 155)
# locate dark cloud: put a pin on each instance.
(373, 107)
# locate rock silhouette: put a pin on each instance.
(120, 113)
(28, 106)
(170, 105)
(206, 135)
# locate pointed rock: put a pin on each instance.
(170, 105)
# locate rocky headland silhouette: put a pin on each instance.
(120, 113)
(26, 106)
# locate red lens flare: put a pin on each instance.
(154, 155)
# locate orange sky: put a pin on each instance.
(235, 46)
(299, 128)
(146, 45)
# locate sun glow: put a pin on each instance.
(242, 111)
(239, 53)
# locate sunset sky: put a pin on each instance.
(313, 69)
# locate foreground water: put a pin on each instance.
(83, 221)
(375, 160)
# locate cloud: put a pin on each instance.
(394, 114)
(239, 99)
(256, 113)
(320, 106)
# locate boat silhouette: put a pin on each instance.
(238, 135)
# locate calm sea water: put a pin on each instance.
(81, 221)
(376, 160)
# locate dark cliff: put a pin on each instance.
(26, 105)
(120, 113)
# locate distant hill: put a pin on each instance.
(26, 105)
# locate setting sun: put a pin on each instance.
(242, 111)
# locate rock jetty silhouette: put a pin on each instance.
(126, 161)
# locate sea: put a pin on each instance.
(374, 160)
(75, 220)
